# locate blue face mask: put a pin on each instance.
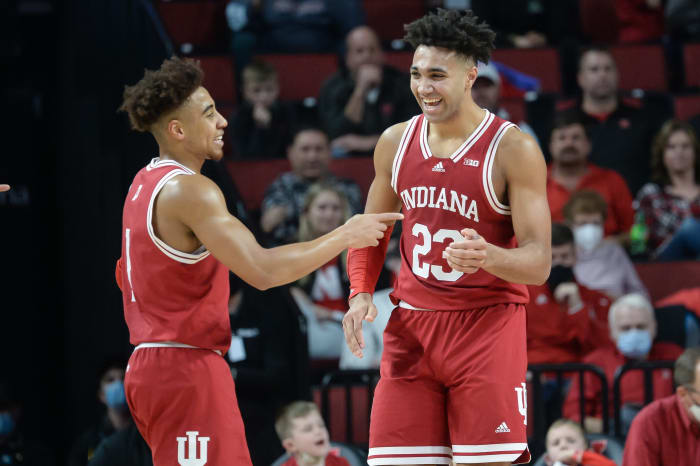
(634, 343)
(7, 423)
(115, 396)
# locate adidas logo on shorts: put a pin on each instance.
(502, 428)
(438, 167)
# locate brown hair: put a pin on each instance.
(161, 91)
(306, 232)
(294, 410)
(684, 369)
(258, 71)
(659, 172)
(585, 202)
(566, 422)
(561, 235)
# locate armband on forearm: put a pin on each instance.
(365, 265)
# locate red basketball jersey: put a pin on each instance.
(440, 197)
(169, 295)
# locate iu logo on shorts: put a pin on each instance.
(192, 459)
(522, 401)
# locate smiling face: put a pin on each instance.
(564, 440)
(309, 436)
(441, 80)
(198, 126)
(325, 212)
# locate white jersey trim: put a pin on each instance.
(401, 151)
(157, 162)
(487, 170)
(465, 146)
(170, 344)
(408, 460)
(174, 254)
(489, 447)
(404, 455)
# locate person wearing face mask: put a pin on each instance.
(667, 432)
(571, 171)
(565, 320)
(632, 330)
(602, 264)
(116, 418)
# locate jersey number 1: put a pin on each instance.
(425, 269)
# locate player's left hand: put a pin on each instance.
(467, 255)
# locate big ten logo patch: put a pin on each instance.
(192, 459)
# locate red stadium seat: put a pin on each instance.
(691, 59)
(200, 23)
(301, 75)
(387, 17)
(664, 278)
(253, 177)
(641, 67)
(219, 78)
(598, 20)
(687, 106)
(540, 63)
(400, 60)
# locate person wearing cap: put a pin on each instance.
(486, 92)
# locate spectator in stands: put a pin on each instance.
(565, 320)
(360, 101)
(683, 20)
(289, 26)
(570, 171)
(15, 447)
(262, 124)
(486, 92)
(671, 203)
(309, 155)
(116, 418)
(304, 436)
(620, 128)
(633, 329)
(123, 448)
(567, 445)
(269, 361)
(667, 432)
(601, 264)
(639, 20)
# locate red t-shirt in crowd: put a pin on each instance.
(631, 386)
(662, 434)
(557, 334)
(608, 184)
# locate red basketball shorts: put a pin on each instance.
(452, 386)
(184, 404)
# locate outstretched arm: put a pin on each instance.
(522, 165)
(199, 205)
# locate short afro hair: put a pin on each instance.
(458, 30)
(161, 91)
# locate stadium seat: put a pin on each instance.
(598, 20)
(301, 75)
(641, 67)
(686, 107)
(540, 63)
(200, 23)
(219, 78)
(655, 276)
(691, 61)
(399, 60)
(387, 17)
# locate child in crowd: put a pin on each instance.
(567, 445)
(304, 436)
(261, 126)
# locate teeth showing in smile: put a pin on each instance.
(220, 138)
(431, 101)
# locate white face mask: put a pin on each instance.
(695, 411)
(588, 236)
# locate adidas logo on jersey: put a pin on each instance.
(438, 167)
(471, 162)
(502, 428)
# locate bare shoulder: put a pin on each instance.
(388, 144)
(190, 193)
(518, 152)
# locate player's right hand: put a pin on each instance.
(361, 308)
(365, 230)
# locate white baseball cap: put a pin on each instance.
(489, 72)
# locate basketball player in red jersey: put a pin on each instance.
(178, 244)
(476, 231)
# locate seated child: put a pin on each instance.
(567, 445)
(304, 436)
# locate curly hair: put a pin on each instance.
(659, 172)
(161, 91)
(458, 30)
